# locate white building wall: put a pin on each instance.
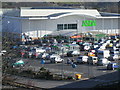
(38, 28)
(107, 25)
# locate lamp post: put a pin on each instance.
(62, 65)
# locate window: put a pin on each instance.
(72, 26)
(66, 26)
(60, 26)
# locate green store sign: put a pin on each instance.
(89, 23)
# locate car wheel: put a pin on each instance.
(55, 62)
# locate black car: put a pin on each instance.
(69, 54)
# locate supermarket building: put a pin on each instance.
(37, 22)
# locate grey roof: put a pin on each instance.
(109, 14)
(52, 8)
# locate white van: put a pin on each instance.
(103, 53)
(92, 60)
(103, 61)
(82, 59)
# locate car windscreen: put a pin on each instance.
(79, 57)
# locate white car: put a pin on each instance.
(86, 47)
(76, 52)
(43, 55)
(2, 54)
(82, 59)
(39, 50)
(54, 55)
(56, 60)
(30, 54)
(73, 53)
(96, 45)
(92, 60)
(114, 57)
(3, 51)
(108, 41)
(103, 61)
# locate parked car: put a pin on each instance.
(37, 52)
(86, 47)
(112, 66)
(73, 53)
(30, 53)
(82, 59)
(43, 55)
(103, 61)
(18, 63)
(114, 57)
(56, 59)
(50, 54)
(96, 45)
(54, 55)
(1, 54)
(3, 51)
(103, 53)
(92, 60)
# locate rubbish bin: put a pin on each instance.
(78, 76)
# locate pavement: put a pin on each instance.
(83, 83)
(40, 83)
(90, 83)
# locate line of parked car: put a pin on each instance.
(100, 53)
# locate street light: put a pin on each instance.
(62, 65)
